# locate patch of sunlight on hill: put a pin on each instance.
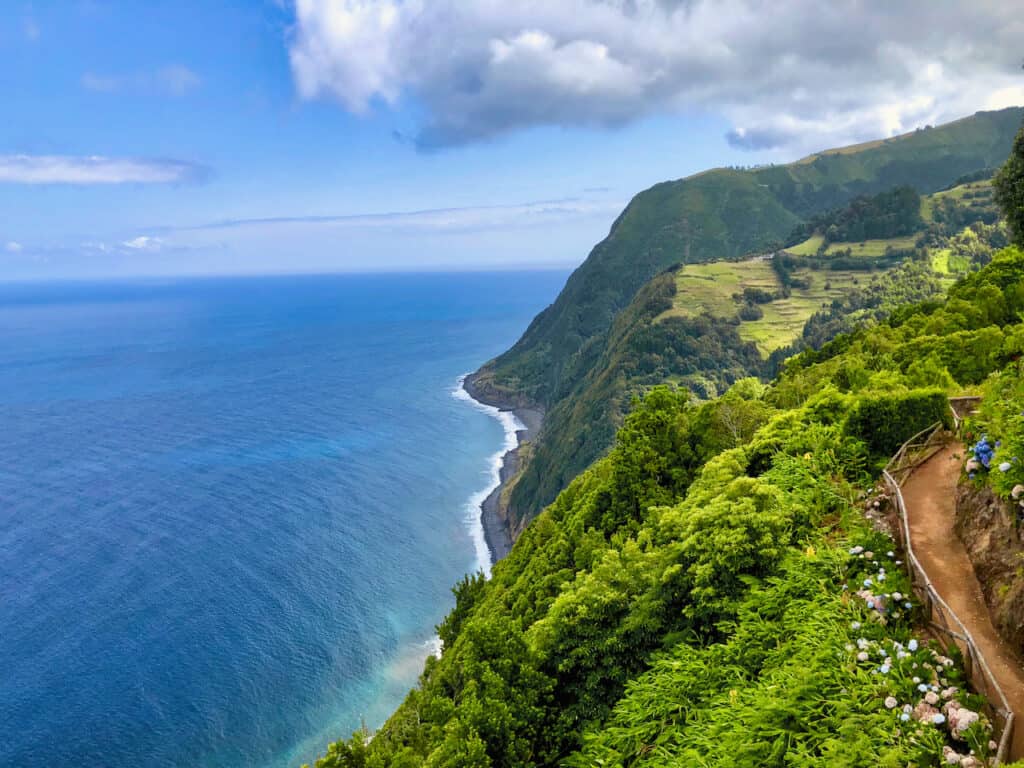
(808, 247)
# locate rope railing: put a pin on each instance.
(941, 618)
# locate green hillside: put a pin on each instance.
(829, 288)
(712, 289)
(723, 214)
(709, 593)
(957, 231)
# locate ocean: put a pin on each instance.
(232, 510)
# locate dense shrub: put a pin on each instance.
(750, 312)
(884, 421)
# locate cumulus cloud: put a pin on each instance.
(173, 80)
(94, 169)
(779, 72)
(13, 246)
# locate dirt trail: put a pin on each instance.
(930, 497)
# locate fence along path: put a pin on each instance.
(922, 479)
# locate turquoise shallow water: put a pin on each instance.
(231, 510)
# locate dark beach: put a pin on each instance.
(496, 530)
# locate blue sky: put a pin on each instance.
(331, 135)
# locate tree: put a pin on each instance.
(1009, 188)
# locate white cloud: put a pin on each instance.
(13, 246)
(780, 73)
(466, 219)
(94, 169)
(173, 80)
(143, 243)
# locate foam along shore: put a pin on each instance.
(491, 535)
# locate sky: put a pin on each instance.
(268, 136)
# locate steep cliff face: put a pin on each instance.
(995, 542)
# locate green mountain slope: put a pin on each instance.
(720, 214)
(724, 214)
(709, 593)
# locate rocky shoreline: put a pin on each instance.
(496, 529)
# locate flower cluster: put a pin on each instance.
(983, 452)
(871, 570)
(916, 683)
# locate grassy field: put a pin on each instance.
(808, 247)
(710, 288)
(868, 248)
(958, 193)
(948, 265)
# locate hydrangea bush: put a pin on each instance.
(996, 436)
(921, 686)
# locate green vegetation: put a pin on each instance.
(817, 246)
(894, 213)
(725, 320)
(1009, 184)
(999, 426)
(694, 328)
(720, 215)
(707, 593)
(712, 289)
(725, 214)
(808, 247)
(702, 352)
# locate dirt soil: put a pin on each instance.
(930, 497)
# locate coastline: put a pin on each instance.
(527, 421)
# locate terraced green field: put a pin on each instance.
(784, 319)
(711, 288)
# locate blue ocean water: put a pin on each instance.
(231, 511)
